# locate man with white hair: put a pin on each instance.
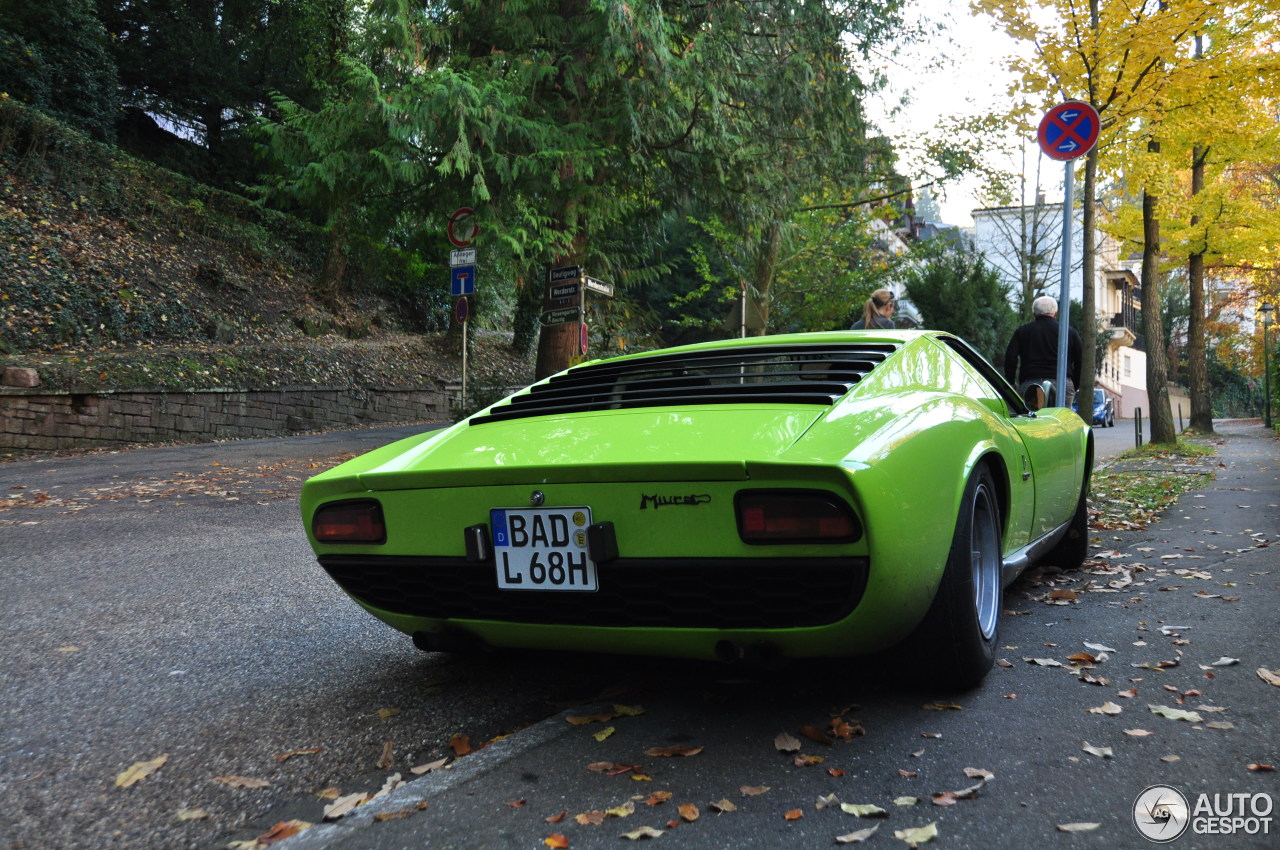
(1032, 355)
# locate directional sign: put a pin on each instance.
(462, 280)
(599, 286)
(561, 316)
(564, 290)
(564, 273)
(1069, 130)
(462, 257)
(462, 227)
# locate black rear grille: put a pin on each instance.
(813, 373)
(720, 593)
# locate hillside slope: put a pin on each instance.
(115, 274)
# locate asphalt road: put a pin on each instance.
(163, 605)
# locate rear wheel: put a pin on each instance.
(960, 631)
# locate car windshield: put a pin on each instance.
(1099, 396)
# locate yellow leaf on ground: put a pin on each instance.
(140, 771)
(917, 835)
(688, 811)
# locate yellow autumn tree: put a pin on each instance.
(1135, 63)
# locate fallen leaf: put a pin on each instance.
(284, 829)
(1078, 827)
(826, 801)
(517, 804)
(1106, 708)
(815, 734)
(905, 801)
(917, 835)
(140, 771)
(643, 832)
(1137, 733)
(625, 810)
(460, 744)
(1220, 724)
(557, 841)
(628, 710)
(342, 805)
(667, 752)
(1171, 758)
(835, 771)
(1129, 694)
(1269, 676)
(388, 759)
(1044, 662)
(753, 790)
(657, 797)
(978, 773)
(908, 774)
(803, 760)
(583, 720)
(863, 810)
(723, 806)
(201, 814)
(385, 713)
(429, 766)
(1224, 661)
(785, 742)
(594, 817)
(944, 798)
(604, 733)
(1175, 713)
(556, 818)
(688, 811)
(1104, 752)
(794, 814)
(1098, 647)
(857, 837)
(1258, 767)
(845, 730)
(242, 781)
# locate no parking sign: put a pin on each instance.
(1069, 130)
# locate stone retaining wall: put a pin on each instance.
(38, 420)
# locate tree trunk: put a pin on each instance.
(1160, 414)
(1088, 298)
(1197, 360)
(560, 345)
(763, 269)
(334, 270)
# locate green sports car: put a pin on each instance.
(807, 495)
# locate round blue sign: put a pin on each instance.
(1069, 130)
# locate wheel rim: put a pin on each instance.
(984, 562)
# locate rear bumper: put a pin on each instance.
(693, 593)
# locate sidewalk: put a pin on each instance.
(1209, 589)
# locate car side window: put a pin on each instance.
(989, 373)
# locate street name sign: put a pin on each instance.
(599, 286)
(561, 316)
(564, 273)
(558, 291)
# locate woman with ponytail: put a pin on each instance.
(878, 312)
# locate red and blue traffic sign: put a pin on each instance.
(1069, 130)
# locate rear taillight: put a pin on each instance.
(795, 516)
(355, 521)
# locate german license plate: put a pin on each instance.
(542, 548)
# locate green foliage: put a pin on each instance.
(54, 57)
(958, 292)
(1235, 395)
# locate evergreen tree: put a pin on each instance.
(959, 293)
(54, 57)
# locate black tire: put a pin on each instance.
(957, 639)
(1069, 552)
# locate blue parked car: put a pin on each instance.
(1104, 409)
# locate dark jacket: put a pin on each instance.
(1034, 346)
(877, 322)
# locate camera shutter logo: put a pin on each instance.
(1161, 813)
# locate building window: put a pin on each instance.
(1127, 368)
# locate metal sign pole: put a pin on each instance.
(464, 364)
(1064, 298)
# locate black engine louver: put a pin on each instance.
(815, 373)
